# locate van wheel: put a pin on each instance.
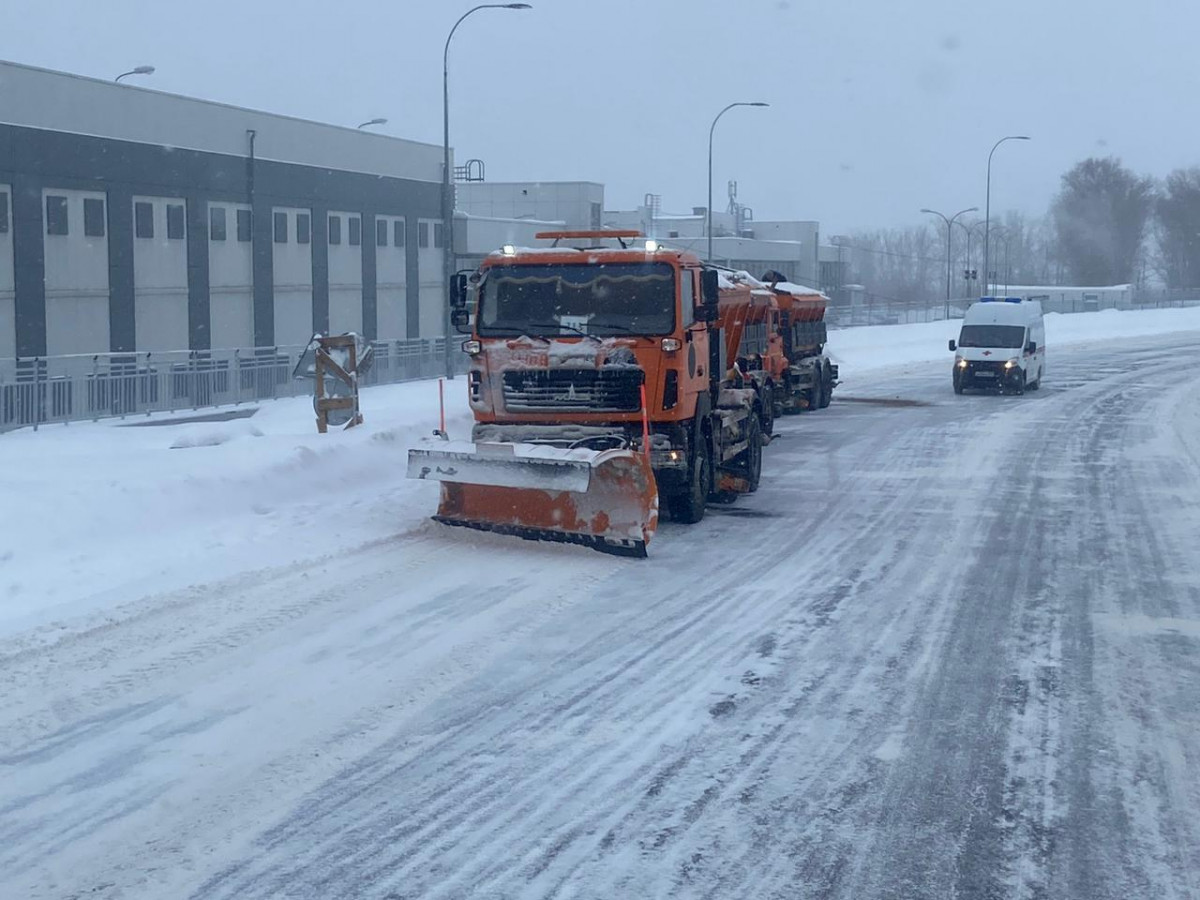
(1021, 385)
(958, 386)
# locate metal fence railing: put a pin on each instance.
(37, 391)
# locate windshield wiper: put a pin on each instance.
(567, 327)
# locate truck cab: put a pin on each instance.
(1001, 346)
(588, 345)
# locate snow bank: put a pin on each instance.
(859, 350)
(97, 514)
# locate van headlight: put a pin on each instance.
(1011, 363)
(960, 362)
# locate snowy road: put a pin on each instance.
(950, 649)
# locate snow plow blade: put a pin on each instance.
(603, 499)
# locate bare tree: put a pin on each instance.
(1100, 218)
(1177, 221)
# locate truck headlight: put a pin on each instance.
(472, 348)
(670, 345)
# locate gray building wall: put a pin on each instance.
(579, 204)
(186, 286)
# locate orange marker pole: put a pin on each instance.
(442, 403)
(645, 426)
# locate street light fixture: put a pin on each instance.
(373, 122)
(140, 70)
(447, 204)
(987, 215)
(949, 233)
(712, 128)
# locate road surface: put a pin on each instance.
(950, 649)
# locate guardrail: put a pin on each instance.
(57, 389)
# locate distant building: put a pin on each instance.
(790, 247)
(577, 204)
(132, 219)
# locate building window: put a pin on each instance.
(281, 228)
(216, 223)
(56, 214)
(4, 213)
(93, 217)
(422, 234)
(143, 220)
(303, 228)
(355, 229)
(175, 220)
(243, 225)
(439, 235)
(335, 229)
(380, 233)
(398, 233)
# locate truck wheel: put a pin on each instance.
(826, 387)
(768, 408)
(688, 505)
(817, 390)
(750, 464)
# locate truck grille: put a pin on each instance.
(574, 390)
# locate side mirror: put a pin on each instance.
(1032, 347)
(953, 346)
(458, 293)
(461, 320)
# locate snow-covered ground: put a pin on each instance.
(117, 509)
(949, 649)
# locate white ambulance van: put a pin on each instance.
(1001, 347)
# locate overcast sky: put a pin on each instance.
(877, 107)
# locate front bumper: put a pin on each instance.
(978, 373)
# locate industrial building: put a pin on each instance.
(133, 220)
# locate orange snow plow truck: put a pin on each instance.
(775, 334)
(598, 386)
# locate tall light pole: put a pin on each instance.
(970, 232)
(371, 122)
(140, 70)
(987, 215)
(712, 128)
(949, 234)
(447, 202)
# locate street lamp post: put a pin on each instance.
(949, 233)
(140, 70)
(371, 122)
(447, 203)
(712, 128)
(987, 215)
(970, 232)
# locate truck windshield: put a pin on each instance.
(570, 299)
(992, 336)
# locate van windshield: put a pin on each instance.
(992, 336)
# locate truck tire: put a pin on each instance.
(687, 506)
(768, 408)
(826, 387)
(750, 463)
(817, 390)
